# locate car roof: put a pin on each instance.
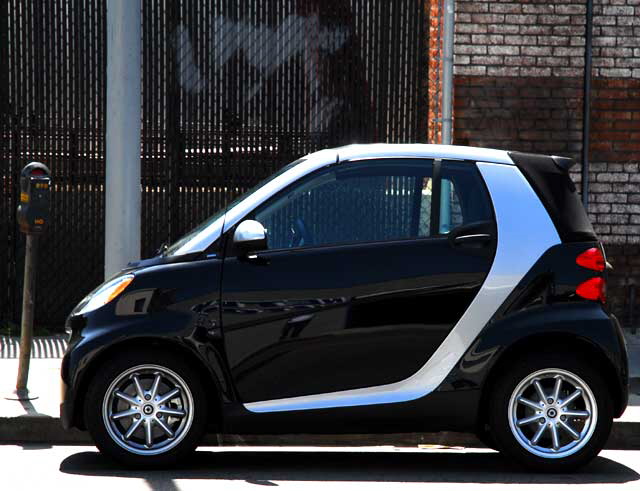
(423, 150)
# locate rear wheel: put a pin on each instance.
(551, 412)
(143, 412)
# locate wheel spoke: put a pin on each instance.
(125, 414)
(577, 393)
(531, 404)
(529, 420)
(164, 427)
(126, 397)
(541, 395)
(147, 433)
(139, 389)
(569, 430)
(574, 413)
(154, 387)
(554, 437)
(168, 396)
(556, 388)
(538, 434)
(132, 428)
(179, 413)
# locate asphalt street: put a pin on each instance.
(32, 467)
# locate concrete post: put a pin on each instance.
(122, 193)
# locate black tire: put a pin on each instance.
(499, 417)
(110, 371)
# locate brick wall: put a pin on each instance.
(539, 39)
(518, 85)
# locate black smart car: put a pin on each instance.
(365, 289)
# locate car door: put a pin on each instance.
(369, 265)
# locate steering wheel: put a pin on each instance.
(300, 235)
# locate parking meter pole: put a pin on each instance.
(28, 305)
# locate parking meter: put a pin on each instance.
(35, 198)
(33, 217)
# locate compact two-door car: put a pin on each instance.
(364, 289)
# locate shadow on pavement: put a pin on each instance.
(265, 467)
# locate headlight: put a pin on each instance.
(104, 294)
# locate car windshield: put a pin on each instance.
(177, 248)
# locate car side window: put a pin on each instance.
(464, 197)
(371, 201)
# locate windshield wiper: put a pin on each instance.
(162, 249)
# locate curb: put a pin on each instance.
(39, 429)
(48, 430)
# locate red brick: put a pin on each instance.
(624, 125)
(505, 8)
(600, 145)
(632, 147)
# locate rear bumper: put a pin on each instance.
(622, 367)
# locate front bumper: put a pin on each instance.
(66, 415)
(66, 397)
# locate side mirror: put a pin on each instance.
(249, 236)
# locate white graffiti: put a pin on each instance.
(266, 48)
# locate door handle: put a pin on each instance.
(294, 327)
(472, 239)
(256, 259)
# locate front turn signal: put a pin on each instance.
(120, 288)
(104, 294)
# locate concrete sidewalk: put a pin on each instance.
(38, 421)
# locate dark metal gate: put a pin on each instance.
(231, 92)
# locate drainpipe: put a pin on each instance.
(447, 106)
(586, 104)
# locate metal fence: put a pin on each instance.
(52, 91)
(231, 92)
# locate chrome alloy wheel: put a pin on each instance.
(552, 413)
(148, 409)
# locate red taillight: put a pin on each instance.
(593, 289)
(592, 259)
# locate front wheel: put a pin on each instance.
(551, 412)
(146, 412)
